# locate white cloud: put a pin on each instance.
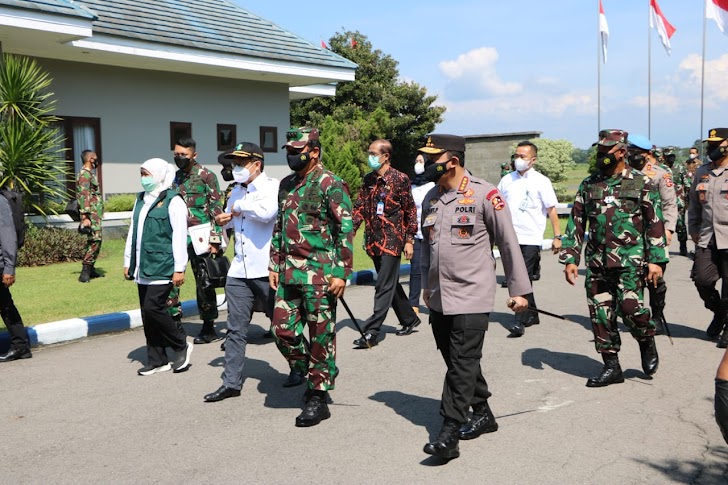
(716, 71)
(474, 74)
(660, 101)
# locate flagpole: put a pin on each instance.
(599, 71)
(649, 73)
(702, 74)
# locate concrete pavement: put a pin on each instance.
(78, 413)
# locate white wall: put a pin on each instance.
(136, 106)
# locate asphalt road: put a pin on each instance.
(78, 413)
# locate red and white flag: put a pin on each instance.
(664, 29)
(718, 11)
(603, 31)
(323, 45)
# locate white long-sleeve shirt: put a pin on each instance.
(178, 221)
(256, 207)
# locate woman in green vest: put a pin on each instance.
(155, 258)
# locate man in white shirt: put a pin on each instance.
(530, 198)
(251, 211)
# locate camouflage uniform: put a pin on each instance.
(90, 204)
(626, 232)
(201, 192)
(312, 242)
(505, 168)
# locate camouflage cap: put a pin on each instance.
(299, 137)
(246, 150)
(609, 138)
(657, 152)
(443, 143)
(669, 150)
(717, 134)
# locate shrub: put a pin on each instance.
(120, 203)
(563, 194)
(48, 245)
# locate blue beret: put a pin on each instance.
(640, 141)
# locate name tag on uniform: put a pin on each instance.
(380, 208)
(630, 188)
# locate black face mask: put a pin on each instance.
(182, 162)
(436, 170)
(227, 174)
(96, 164)
(717, 153)
(298, 161)
(605, 161)
(670, 160)
(637, 161)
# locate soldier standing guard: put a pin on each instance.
(91, 207)
(462, 217)
(311, 258)
(620, 207)
(640, 157)
(707, 225)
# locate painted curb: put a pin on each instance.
(79, 328)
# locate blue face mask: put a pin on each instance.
(374, 162)
(148, 183)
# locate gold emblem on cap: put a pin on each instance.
(429, 142)
(713, 133)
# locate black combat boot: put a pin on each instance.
(315, 410)
(683, 248)
(446, 444)
(85, 275)
(611, 372)
(207, 334)
(648, 352)
(481, 422)
(94, 273)
(715, 325)
(660, 323)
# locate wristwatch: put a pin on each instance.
(558, 237)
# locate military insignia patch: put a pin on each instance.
(669, 182)
(609, 199)
(463, 220)
(466, 201)
(337, 197)
(497, 202)
(434, 201)
(463, 233)
(491, 194)
(463, 184)
(469, 192)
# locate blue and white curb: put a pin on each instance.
(79, 328)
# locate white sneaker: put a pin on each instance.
(182, 359)
(148, 370)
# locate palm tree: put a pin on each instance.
(31, 147)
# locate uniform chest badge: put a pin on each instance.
(497, 202)
(609, 199)
(669, 182)
(468, 193)
(466, 201)
(434, 201)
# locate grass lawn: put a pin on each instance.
(575, 176)
(49, 293)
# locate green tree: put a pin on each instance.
(579, 155)
(412, 114)
(30, 146)
(554, 158)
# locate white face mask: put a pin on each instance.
(241, 174)
(419, 168)
(693, 156)
(521, 164)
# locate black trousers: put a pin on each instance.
(460, 341)
(388, 293)
(532, 257)
(415, 288)
(18, 333)
(160, 329)
(710, 265)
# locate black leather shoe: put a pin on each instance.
(480, 423)
(222, 393)
(536, 277)
(366, 342)
(207, 338)
(446, 445)
(533, 321)
(723, 340)
(715, 327)
(315, 410)
(295, 378)
(648, 352)
(504, 284)
(611, 373)
(16, 354)
(409, 328)
(517, 330)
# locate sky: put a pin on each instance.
(531, 65)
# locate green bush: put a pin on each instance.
(563, 194)
(120, 203)
(48, 245)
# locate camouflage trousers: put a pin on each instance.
(680, 229)
(93, 248)
(173, 305)
(296, 306)
(617, 292)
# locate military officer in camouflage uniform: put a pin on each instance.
(640, 156)
(199, 188)
(311, 258)
(708, 228)
(507, 167)
(620, 207)
(91, 207)
(682, 188)
(462, 217)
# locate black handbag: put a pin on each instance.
(212, 271)
(73, 210)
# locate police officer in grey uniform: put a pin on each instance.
(642, 158)
(708, 228)
(462, 217)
